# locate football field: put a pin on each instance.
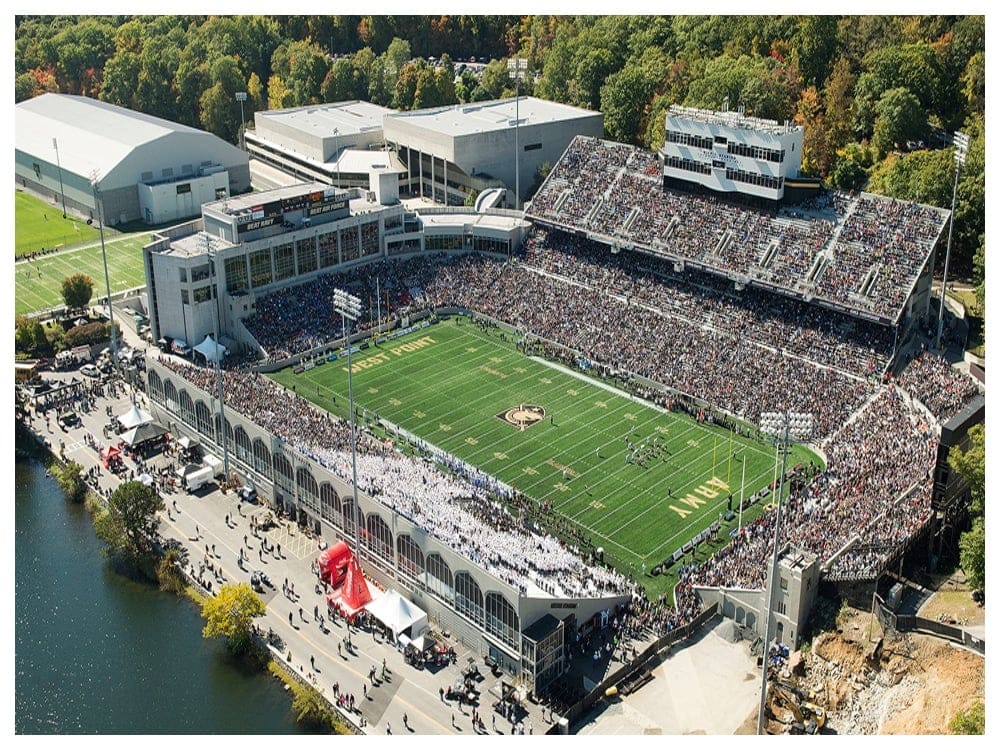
(631, 478)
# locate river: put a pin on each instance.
(96, 653)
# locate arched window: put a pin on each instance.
(283, 474)
(155, 387)
(187, 407)
(410, 556)
(261, 458)
(329, 503)
(347, 517)
(308, 491)
(170, 396)
(203, 419)
(501, 618)
(379, 537)
(241, 443)
(468, 597)
(439, 578)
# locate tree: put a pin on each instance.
(230, 613)
(70, 478)
(624, 99)
(970, 463)
(128, 526)
(77, 291)
(838, 104)
(921, 176)
(29, 334)
(898, 118)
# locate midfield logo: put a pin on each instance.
(523, 415)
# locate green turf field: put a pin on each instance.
(556, 437)
(41, 224)
(38, 282)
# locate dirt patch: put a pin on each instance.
(872, 683)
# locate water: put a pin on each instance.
(96, 653)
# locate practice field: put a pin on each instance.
(41, 225)
(38, 282)
(635, 480)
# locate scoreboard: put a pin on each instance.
(313, 204)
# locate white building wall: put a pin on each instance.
(165, 202)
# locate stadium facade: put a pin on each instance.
(254, 244)
(147, 169)
(522, 629)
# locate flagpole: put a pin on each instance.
(729, 463)
(715, 443)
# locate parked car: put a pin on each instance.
(90, 371)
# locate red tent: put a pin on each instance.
(339, 567)
(110, 455)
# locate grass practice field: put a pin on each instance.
(38, 282)
(558, 437)
(39, 224)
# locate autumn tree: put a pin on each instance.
(77, 291)
(230, 614)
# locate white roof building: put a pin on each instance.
(62, 142)
(337, 143)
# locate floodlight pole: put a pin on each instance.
(336, 146)
(517, 66)
(349, 307)
(218, 369)
(778, 424)
(62, 192)
(241, 96)
(99, 207)
(961, 148)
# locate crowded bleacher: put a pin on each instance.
(863, 255)
(454, 511)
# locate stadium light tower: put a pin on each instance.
(349, 308)
(241, 96)
(517, 68)
(336, 144)
(99, 207)
(62, 192)
(961, 149)
(786, 427)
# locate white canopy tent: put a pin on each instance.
(134, 417)
(211, 351)
(401, 616)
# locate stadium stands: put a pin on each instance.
(863, 255)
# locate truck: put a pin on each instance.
(195, 476)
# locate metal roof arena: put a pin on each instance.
(483, 117)
(320, 120)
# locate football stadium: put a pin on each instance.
(564, 416)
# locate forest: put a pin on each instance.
(878, 96)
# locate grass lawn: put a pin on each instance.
(40, 224)
(557, 437)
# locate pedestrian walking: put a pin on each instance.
(441, 693)
(301, 616)
(388, 728)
